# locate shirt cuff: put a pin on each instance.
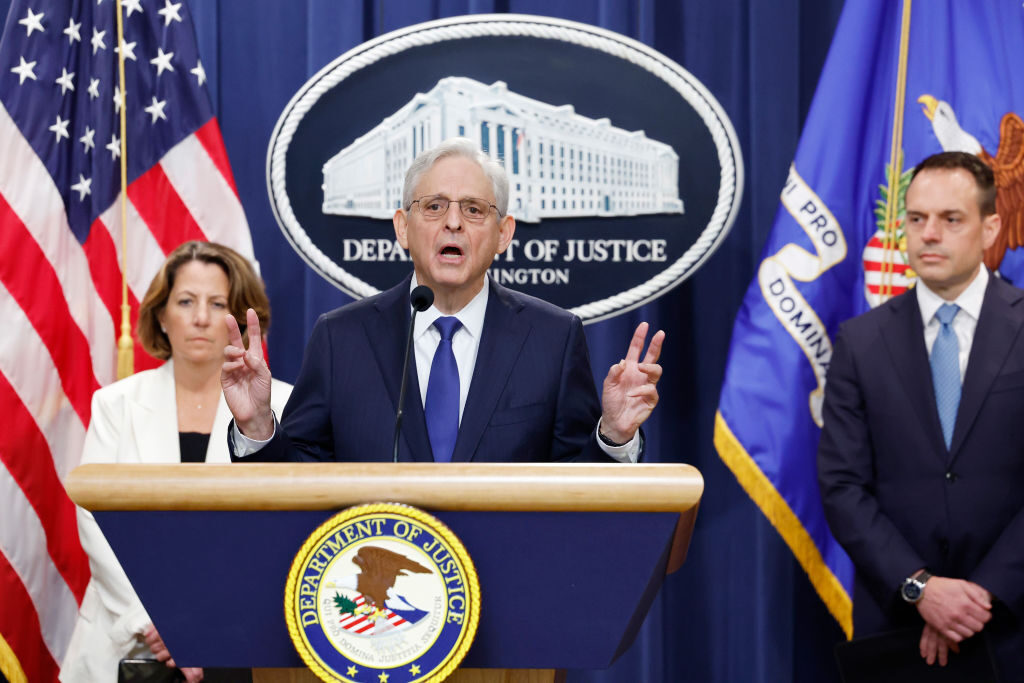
(244, 445)
(627, 452)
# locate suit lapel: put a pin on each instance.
(217, 448)
(500, 343)
(904, 339)
(154, 427)
(386, 334)
(993, 338)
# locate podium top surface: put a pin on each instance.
(449, 486)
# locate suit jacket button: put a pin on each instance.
(950, 477)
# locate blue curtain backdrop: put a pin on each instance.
(740, 609)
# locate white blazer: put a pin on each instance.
(134, 420)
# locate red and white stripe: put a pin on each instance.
(60, 303)
(361, 625)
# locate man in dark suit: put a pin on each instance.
(497, 376)
(921, 459)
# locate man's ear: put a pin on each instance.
(401, 228)
(506, 229)
(990, 226)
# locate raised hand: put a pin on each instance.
(630, 391)
(245, 379)
(955, 608)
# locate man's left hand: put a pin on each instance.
(630, 393)
(955, 608)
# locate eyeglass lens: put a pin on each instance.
(471, 209)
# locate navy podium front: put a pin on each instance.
(569, 557)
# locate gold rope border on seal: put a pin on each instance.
(424, 518)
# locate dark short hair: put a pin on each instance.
(245, 290)
(984, 179)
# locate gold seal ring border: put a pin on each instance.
(466, 635)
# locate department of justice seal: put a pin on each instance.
(382, 593)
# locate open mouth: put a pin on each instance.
(450, 252)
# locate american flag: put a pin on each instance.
(60, 256)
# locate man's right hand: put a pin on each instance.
(955, 608)
(245, 379)
(935, 648)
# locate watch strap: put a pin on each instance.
(608, 442)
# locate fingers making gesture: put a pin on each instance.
(245, 379)
(630, 391)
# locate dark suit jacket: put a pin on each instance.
(531, 399)
(895, 498)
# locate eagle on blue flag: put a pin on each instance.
(1007, 165)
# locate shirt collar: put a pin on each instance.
(471, 316)
(969, 301)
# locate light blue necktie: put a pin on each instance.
(945, 362)
(442, 405)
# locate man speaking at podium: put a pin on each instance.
(499, 376)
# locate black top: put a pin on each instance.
(193, 446)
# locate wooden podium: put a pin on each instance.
(569, 556)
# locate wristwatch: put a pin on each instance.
(912, 589)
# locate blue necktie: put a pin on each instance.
(442, 405)
(945, 362)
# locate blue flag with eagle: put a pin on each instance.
(900, 83)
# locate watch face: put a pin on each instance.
(912, 591)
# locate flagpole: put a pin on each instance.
(125, 346)
(890, 245)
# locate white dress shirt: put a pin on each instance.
(966, 320)
(465, 345)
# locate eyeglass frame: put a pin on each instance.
(457, 201)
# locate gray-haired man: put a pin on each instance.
(509, 375)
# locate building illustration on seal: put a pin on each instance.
(560, 164)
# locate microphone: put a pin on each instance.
(421, 299)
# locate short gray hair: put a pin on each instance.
(457, 147)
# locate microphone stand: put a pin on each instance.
(421, 299)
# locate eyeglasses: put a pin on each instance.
(473, 210)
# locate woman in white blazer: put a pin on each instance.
(174, 413)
